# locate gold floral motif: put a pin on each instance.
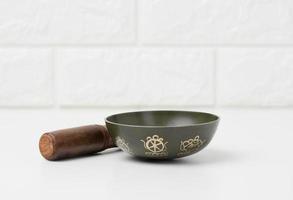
(123, 145)
(155, 146)
(190, 145)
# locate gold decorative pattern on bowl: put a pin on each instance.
(190, 145)
(123, 145)
(155, 146)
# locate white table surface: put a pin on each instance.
(250, 157)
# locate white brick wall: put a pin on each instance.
(216, 22)
(146, 52)
(135, 76)
(255, 76)
(26, 77)
(67, 21)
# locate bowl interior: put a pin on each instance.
(162, 118)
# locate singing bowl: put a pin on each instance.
(162, 134)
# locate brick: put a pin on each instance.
(135, 76)
(67, 22)
(26, 77)
(255, 77)
(216, 22)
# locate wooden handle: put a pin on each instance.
(73, 142)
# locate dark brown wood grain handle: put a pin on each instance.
(74, 142)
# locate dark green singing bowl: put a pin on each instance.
(162, 134)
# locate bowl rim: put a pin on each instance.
(146, 126)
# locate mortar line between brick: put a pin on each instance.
(192, 107)
(215, 77)
(138, 44)
(54, 79)
(219, 45)
(136, 21)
